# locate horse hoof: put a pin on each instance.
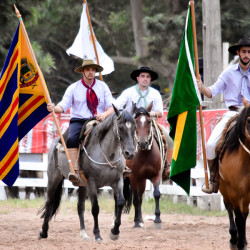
(139, 225)
(113, 236)
(157, 225)
(233, 246)
(99, 240)
(84, 235)
(42, 236)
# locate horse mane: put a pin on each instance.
(103, 127)
(238, 131)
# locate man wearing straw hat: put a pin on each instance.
(142, 94)
(234, 82)
(87, 98)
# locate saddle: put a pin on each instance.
(222, 143)
(162, 144)
(85, 131)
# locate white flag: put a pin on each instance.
(83, 46)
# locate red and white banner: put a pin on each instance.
(39, 139)
(210, 118)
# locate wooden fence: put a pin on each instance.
(38, 162)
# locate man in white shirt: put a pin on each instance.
(234, 82)
(142, 94)
(87, 98)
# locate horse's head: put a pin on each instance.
(125, 129)
(144, 130)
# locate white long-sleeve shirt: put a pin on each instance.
(130, 95)
(233, 82)
(75, 98)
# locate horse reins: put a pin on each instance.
(110, 163)
(163, 155)
(244, 146)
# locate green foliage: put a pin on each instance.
(53, 24)
(45, 60)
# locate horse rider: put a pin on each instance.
(142, 94)
(234, 82)
(87, 98)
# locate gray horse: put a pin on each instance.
(103, 161)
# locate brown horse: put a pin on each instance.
(234, 168)
(145, 165)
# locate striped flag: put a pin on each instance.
(182, 112)
(22, 104)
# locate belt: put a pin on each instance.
(233, 108)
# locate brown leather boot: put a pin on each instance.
(166, 171)
(214, 177)
(74, 153)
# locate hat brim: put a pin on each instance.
(96, 66)
(233, 49)
(137, 72)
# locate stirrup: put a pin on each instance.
(74, 177)
(208, 190)
(127, 171)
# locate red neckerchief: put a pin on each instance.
(92, 101)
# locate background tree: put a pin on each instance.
(132, 32)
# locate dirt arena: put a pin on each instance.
(19, 229)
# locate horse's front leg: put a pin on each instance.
(82, 192)
(157, 196)
(240, 220)
(137, 202)
(119, 204)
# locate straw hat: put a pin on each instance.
(137, 72)
(242, 42)
(89, 63)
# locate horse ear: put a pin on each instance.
(134, 108)
(150, 106)
(245, 102)
(116, 110)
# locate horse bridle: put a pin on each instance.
(149, 137)
(110, 163)
(244, 146)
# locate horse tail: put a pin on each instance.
(50, 208)
(128, 195)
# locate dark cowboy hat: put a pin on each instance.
(242, 42)
(137, 72)
(157, 87)
(89, 63)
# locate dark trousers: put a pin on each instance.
(75, 126)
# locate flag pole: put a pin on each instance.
(44, 88)
(92, 37)
(198, 77)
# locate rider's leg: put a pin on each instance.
(74, 155)
(169, 153)
(214, 177)
(211, 154)
(72, 145)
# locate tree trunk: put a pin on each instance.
(139, 30)
(212, 46)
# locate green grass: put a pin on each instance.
(107, 204)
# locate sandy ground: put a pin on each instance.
(19, 229)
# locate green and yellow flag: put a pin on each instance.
(182, 112)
